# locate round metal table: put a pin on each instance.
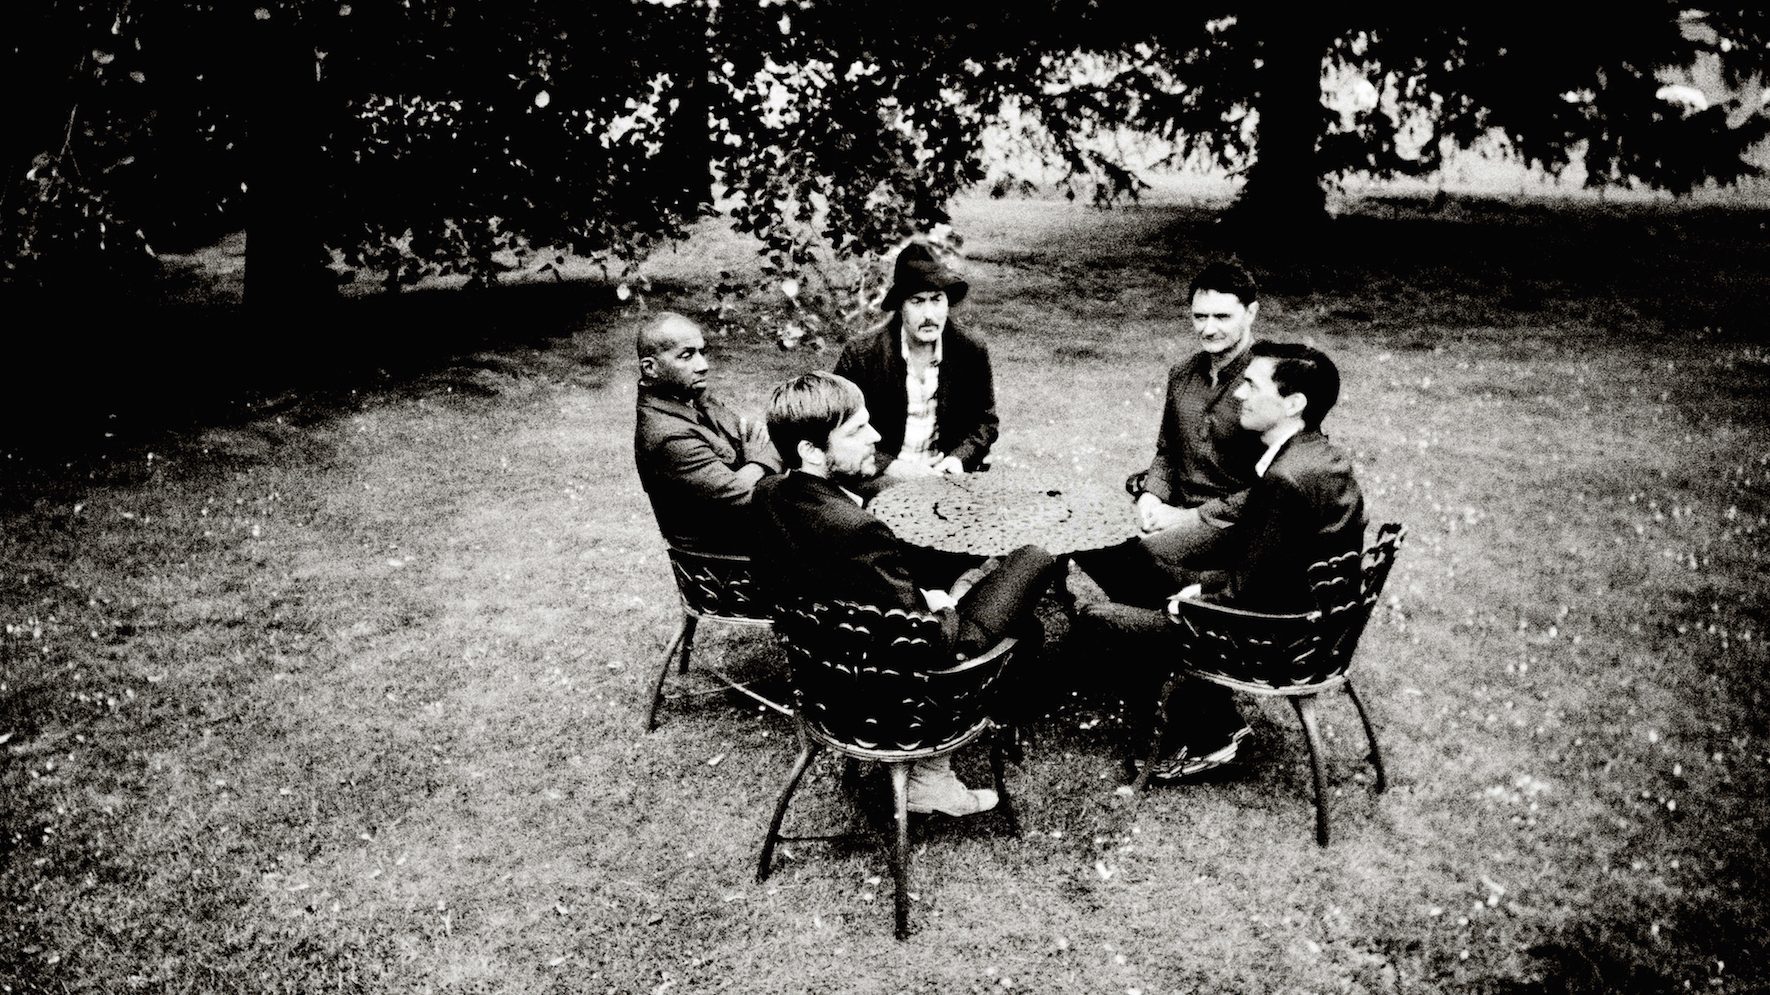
(992, 514)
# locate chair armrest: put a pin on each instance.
(1177, 609)
(733, 558)
(995, 653)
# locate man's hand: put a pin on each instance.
(950, 465)
(907, 469)
(1190, 592)
(1153, 515)
(938, 599)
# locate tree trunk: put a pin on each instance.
(1283, 189)
(285, 256)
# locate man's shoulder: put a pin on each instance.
(875, 341)
(1188, 366)
(657, 418)
(1309, 460)
(800, 494)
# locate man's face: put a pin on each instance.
(1224, 325)
(849, 455)
(680, 361)
(924, 315)
(1262, 406)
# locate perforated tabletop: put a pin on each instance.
(994, 513)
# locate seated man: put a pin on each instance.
(1304, 507)
(926, 381)
(1204, 461)
(817, 542)
(698, 460)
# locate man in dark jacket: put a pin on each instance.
(816, 541)
(698, 460)
(1304, 507)
(926, 381)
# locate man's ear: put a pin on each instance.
(1295, 403)
(648, 367)
(1253, 310)
(809, 455)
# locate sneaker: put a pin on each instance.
(940, 790)
(1190, 762)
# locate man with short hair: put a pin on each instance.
(698, 460)
(1304, 507)
(1203, 461)
(817, 542)
(927, 381)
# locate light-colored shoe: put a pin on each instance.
(935, 788)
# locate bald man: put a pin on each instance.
(698, 459)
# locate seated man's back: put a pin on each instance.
(1304, 509)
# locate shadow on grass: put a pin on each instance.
(1392, 261)
(126, 367)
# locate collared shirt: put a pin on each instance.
(1273, 448)
(1204, 459)
(920, 410)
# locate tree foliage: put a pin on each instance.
(404, 138)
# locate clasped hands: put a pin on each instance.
(1155, 515)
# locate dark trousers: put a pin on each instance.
(1146, 572)
(1003, 601)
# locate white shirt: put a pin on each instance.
(1271, 452)
(919, 420)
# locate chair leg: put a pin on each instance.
(1157, 739)
(657, 688)
(808, 748)
(997, 769)
(689, 622)
(1370, 736)
(1305, 706)
(900, 844)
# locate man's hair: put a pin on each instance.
(1225, 276)
(651, 333)
(1306, 370)
(808, 408)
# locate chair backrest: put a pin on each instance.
(884, 680)
(718, 585)
(1347, 589)
(1280, 653)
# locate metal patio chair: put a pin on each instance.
(880, 686)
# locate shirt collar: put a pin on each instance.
(1265, 462)
(850, 495)
(1231, 370)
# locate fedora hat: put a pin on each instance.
(918, 270)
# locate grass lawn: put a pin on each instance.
(340, 689)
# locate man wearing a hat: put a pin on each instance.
(927, 382)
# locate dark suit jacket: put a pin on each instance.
(688, 463)
(1305, 509)
(814, 542)
(965, 402)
